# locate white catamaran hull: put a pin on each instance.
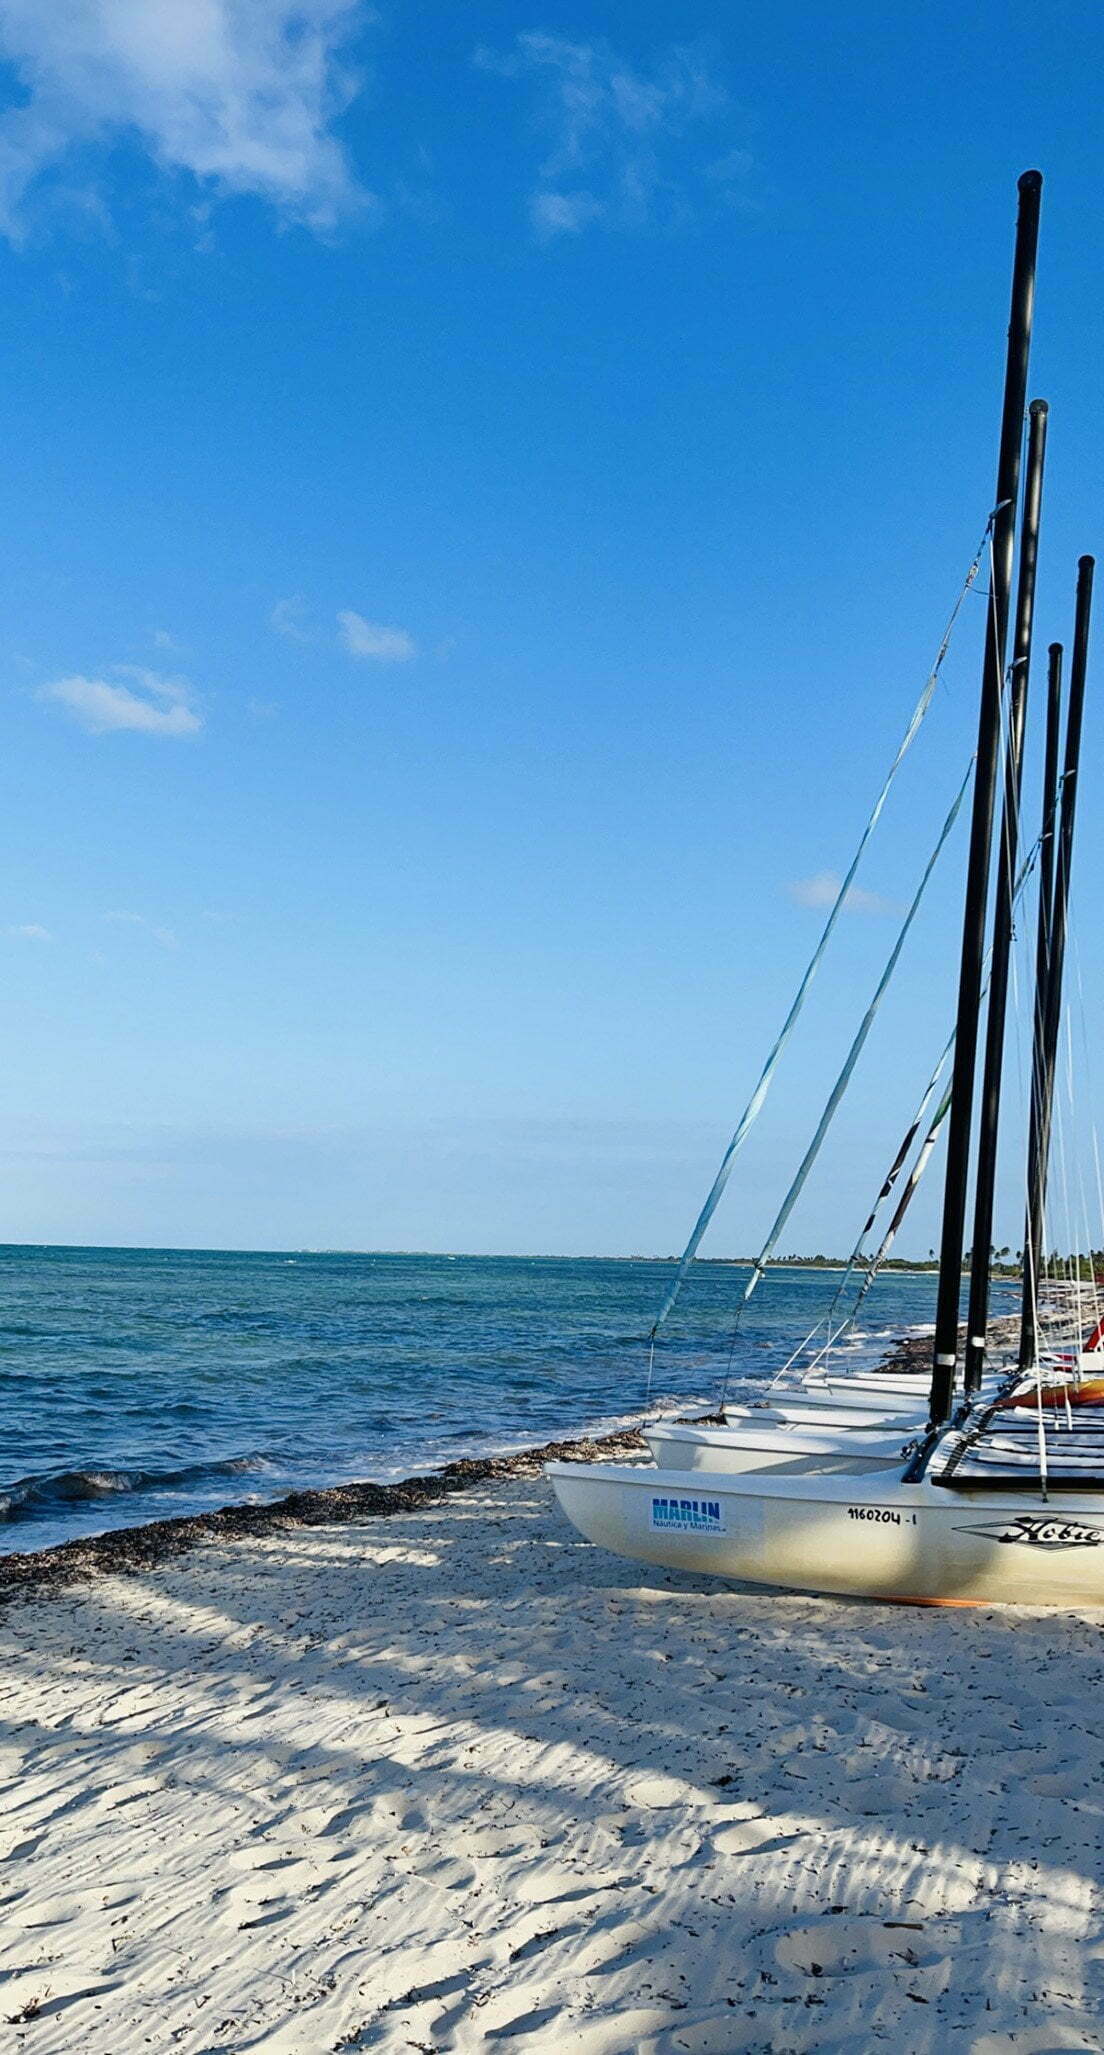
(806, 1409)
(676, 1445)
(868, 1537)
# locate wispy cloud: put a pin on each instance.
(289, 617)
(240, 94)
(624, 143)
(822, 891)
(30, 931)
(164, 936)
(152, 705)
(378, 644)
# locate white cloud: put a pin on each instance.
(30, 931)
(163, 935)
(159, 706)
(563, 213)
(288, 617)
(238, 93)
(822, 891)
(368, 639)
(618, 153)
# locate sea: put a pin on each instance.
(137, 1384)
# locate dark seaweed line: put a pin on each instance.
(127, 1551)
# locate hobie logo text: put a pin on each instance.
(1037, 1531)
(687, 1516)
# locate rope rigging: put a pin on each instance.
(758, 1269)
(755, 1103)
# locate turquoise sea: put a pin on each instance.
(139, 1383)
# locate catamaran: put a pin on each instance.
(974, 1490)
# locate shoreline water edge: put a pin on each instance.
(119, 1550)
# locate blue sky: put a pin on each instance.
(482, 491)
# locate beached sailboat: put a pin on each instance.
(968, 1497)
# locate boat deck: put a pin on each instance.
(1002, 1453)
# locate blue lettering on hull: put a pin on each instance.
(687, 1515)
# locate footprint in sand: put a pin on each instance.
(490, 1844)
(657, 1792)
(751, 1837)
(451, 1872)
(837, 1945)
(880, 1797)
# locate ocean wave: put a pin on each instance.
(28, 1496)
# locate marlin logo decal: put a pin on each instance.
(1037, 1530)
(687, 1516)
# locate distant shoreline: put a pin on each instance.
(897, 1266)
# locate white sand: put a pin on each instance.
(455, 1780)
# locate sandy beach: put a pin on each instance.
(451, 1779)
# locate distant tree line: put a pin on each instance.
(1003, 1262)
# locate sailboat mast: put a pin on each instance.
(1033, 1226)
(977, 1319)
(1040, 1154)
(945, 1349)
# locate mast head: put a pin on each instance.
(1030, 182)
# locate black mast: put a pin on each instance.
(1040, 1156)
(1033, 1226)
(945, 1351)
(977, 1318)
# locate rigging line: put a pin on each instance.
(758, 1269)
(1086, 1287)
(1030, 1275)
(1090, 1091)
(1064, 1264)
(1073, 1260)
(855, 1051)
(651, 1374)
(852, 1263)
(927, 1147)
(1006, 845)
(1022, 985)
(907, 1195)
(755, 1103)
(1081, 1240)
(1085, 1225)
(1029, 1269)
(1040, 1430)
(1034, 1263)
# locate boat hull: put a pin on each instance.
(784, 1449)
(869, 1537)
(803, 1409)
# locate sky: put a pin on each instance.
(483, 489)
